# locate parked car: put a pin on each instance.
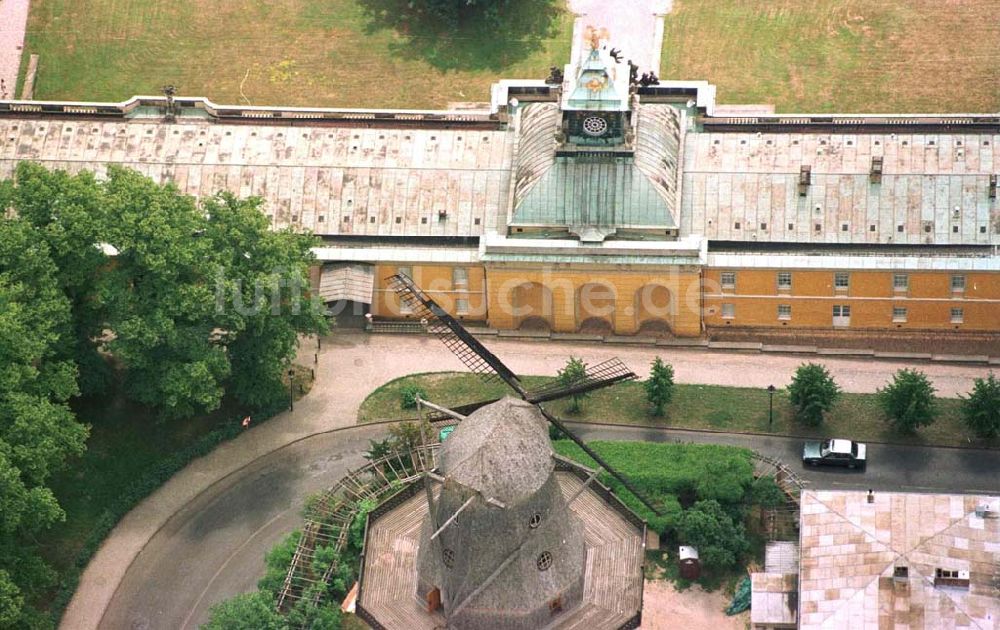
(835, 453)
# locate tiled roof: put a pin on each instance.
(933, 189)
(850, 549)
(328, 180)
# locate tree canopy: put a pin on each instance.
(193, 301)
(660, 385)
(981, 409)
(908, 400)
(812, 392)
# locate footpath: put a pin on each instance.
(13, 21)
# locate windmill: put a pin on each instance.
(487, 365)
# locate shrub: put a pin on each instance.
(908, 401)
(660, 386)
(248, 611)
(408, 396)
(766, 493)
(575, 370)
(672, 475)
(720, 541)
(812, 392)
(981, 410)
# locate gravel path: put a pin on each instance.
(13, 19)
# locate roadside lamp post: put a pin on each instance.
(770, 405)
(291, 381)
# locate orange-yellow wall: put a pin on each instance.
(565, 282)
(871, 296)
(436, 282)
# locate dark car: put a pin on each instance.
(835, 453)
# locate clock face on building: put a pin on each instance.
(595, 126)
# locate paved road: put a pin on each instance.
(214, 547)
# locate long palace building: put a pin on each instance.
(590, 203)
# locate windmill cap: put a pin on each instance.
(501, 450)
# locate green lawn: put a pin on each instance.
(355, 53)
(694, 407)
(840, 55)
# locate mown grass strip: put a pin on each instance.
(712, 407)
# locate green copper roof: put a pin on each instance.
(599, 192)
(594, 88)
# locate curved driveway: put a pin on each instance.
(349, 366)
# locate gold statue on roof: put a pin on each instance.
(595, 35)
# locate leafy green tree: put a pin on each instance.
(981, 410)
(248, 611)
(720, 540)
(908, 401)
(69, 214)
(161, 298)
(262, 296)
(812, 392)
(660, 385)
(38, 432)
(575, 370)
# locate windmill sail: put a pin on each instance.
(484, 363)
(463, 345)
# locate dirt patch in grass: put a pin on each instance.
(353, 53)
(712, 407)
(837, 55)
(663, 606)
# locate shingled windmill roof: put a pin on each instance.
(502, 451)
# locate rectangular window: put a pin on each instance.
(957, 316)
(841, 280)
(784, 311)
(899, 313)
(785, 280)
(462, 306)
(405, 271)
(728, 311)
(460, 277)
(728, 279)
(900, 282)
(958, 283)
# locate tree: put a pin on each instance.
(660, 386)
(981, 410)
(575, 370)
(812, 392)
(908, 401)
(248, 611)
(38, 431)
(720, 540)
(262, 296)
(68, 213)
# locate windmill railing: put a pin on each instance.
(328, 518)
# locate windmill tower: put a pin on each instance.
(507, 535)
(517, 558)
